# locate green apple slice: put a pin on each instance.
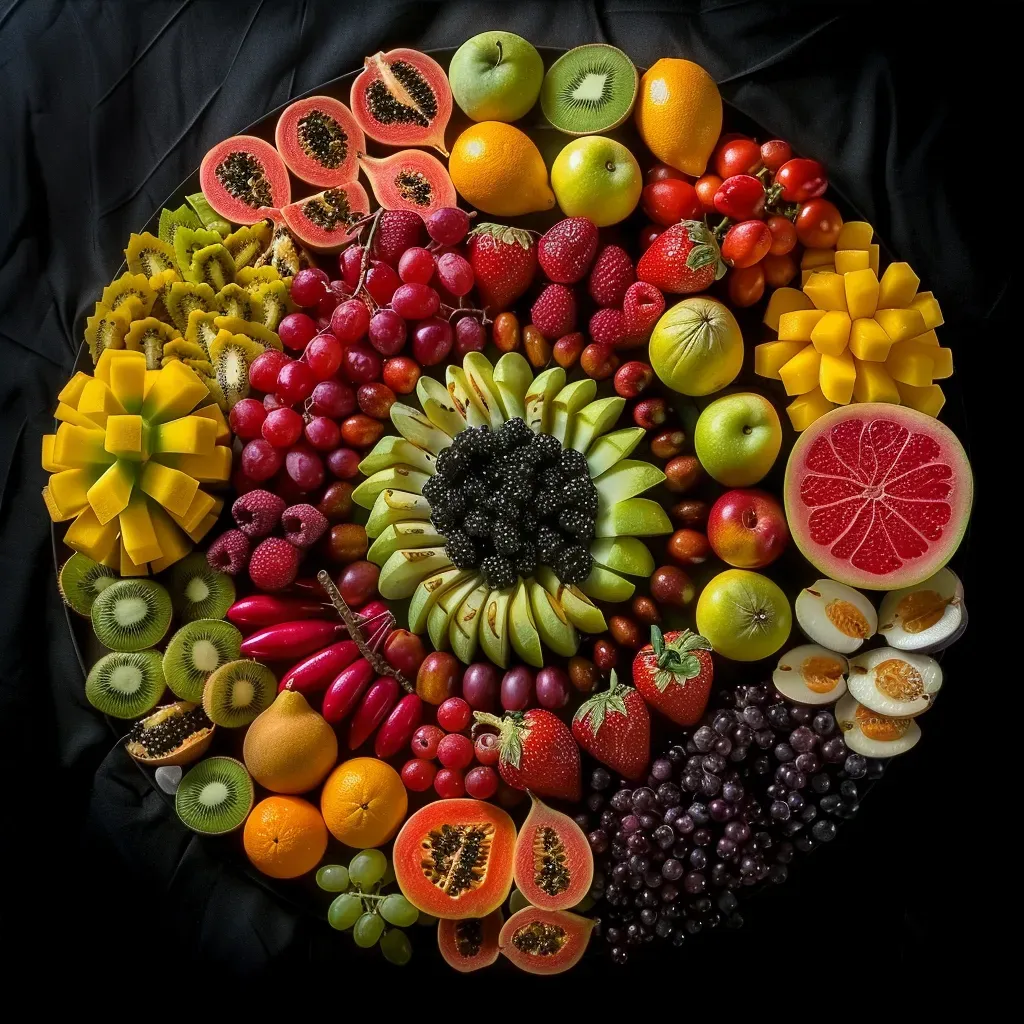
(403, 478)
(427, 593)
(458, 388)
(406, 568)
(494, 627)
(415, 427)
(522, 629)
(626, 479)
(567, 404)
(623, 554)
(415, 533)
(513, 376)
(555, 629)
(604, 585)
(464, 629)
(482, 393)
(539, 399)
(595, 419)
(393, 451)
(609, 449)
(392, 506)
(578, 608)
(634, 517)
(440, 617)
(439, 406)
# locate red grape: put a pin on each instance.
(455, 273)
(296, 330)
(350, 262)
(517, 688)
(416, 265)
(448, 226)
(455, 750)
(381, 282)
(272, 402)
(334, 399)
(361, 364)
(358, 582)
(323, 356)
(470, 336)
(552, 687)
(418, 775)
(282, 427)
(350, 321)
(305, 468)
(260, 460)
(415, 301)
(263, 370)
(481, 686)
(448, 784)
(344, 463)
(375, 400)
(662, 172)
(425, 740)
(486, 748)
(295, 382)
(481, 783)
(246, 418)
(431, 339)
(329, 303)
(387, 332)
(401, 374)
(309, 286)
(323, 434)
(453, 715)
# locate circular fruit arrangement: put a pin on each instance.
(493, 476)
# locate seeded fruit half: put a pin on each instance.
(545, 941)
(175, 734)
(553, 864)
(243, 176)
(318, 139)
(471, 943)
(453, 858)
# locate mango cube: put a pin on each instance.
(901, 324)
(126, 437)
(831, 334)
(176, 392)
(928, 338)
(874, 384)
(148, 381)
(69, 414)
(783, 300)
(125, 565)
(911, 363)
(87, 535)
(137, 531)
(173, 543)
(207, 469)
(771, 356)
(72, 391)
(928, 400)
(207, 524)
(873, 258)
(127, 381)
(855, 234)
(68, 492)
(827, 291)
(170, 487)
(805, 275)
(837, 376)
(192, 435)
(812, 258)
(942, 363)
(801, 373)
(111, 355)
(797, 326)
(803, 411)
(861, 293)
(213, 412)
(50, 464)
(80, 447)
(851, 259)
(897, 287)
(868, 341)
(98, 402)
(200, 507)
(110, 494)
(925, 304)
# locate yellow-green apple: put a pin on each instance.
(747, 528)
(744, 614)
(738, 438)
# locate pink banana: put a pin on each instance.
(287, 640)
(379, 699)
(344, 693)
(316, 671)
(269, 609)
(396, 732)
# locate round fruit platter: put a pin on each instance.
(445, 552)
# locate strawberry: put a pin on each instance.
(504, 262)
(611, 275)
(554, 312)
(537, 752)
(614, 727)
(608, 326)
(683, 259)
(274, 564)
(566, 251)
(641, 307)
(397, 231)
(673, 674)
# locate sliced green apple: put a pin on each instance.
(609, 449)
(555, 629)
(626, 479)
(539, 399)
(427, 593)
(513, 376)
(406, 568)
(523, 630)
(634, 517)
(604, 585)
(414, 533)
(458, 388)
(392, 506)
(440, 617)
(623, 554)
(393, 451)
(494, 629)
(439, 406)
(482, 392)
(578, 608)
(415, 427)
(567, 404)
(595, 419)
(403, 478)
(464, 629)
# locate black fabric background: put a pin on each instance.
(106, 107)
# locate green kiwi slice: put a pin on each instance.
(589, 89)
(274, 303)
(149, 255)
(187, 242)
(238, 692)
(195, 651)
(198, 591)
(215, 796)
(183, 297)
(246, 244)
(126, 684)
(212, 265)
(234, 301)
(82, 580)
(171, 220)
(131, 615)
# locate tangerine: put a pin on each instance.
(364, 802)
(284, 836)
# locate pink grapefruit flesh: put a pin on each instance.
(878, 496)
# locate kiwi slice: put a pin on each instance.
(198, 591)
(149, 255)
(234, 301)
(246, 244)
(171, 220)
(82, 580)
(149, 336)
(106, 328)
(212, 265)
(196, 650)
(274, 303)
(184, 296)
(215, 796)
(187, 242)
(131, 615)
(589, 89)
(238, 693)
(126, 684)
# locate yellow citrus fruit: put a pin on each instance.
(497, 168)
(364, 802)
(679, 114)
(697, 346)
(284, 836)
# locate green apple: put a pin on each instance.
(598, 178)
(744, 615)
(738, 438)
(496, 76)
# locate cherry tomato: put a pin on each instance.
(740, 197)
(706, 188)
(779, 270)
(801, 179)
(670, 201)
(662, 172)
(648, 235)
(737, 156)
(783, 235)
(746, 285)
(746, 243)
(775, 153)
(818, 224)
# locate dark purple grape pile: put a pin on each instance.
(759, 781)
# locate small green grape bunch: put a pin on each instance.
(365, 908)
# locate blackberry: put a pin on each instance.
(444, 522)
(549, 446)
(478, 440)
(477, 524)
(507, 538)
(547, 503)
(434, 489)
(549, 543)
(532, 455)
(476, 491)
(461, 550)
(518, 494)
(588, 504)
(551, 480)
(503, 508)
(451, 463)
(576, 523)
(526, 560)
(454, 501)
(577, 489)
(528, 522)
(573, 463)
(573, 564)
(515, 433)
(499, 572)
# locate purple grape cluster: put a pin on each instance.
(760, 780)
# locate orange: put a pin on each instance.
(284, 836)
(364, 802)
(679, 114)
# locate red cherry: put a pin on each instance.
(448, 784)
(455, 751)
(454, 714)
(481, 783)
(418, 775)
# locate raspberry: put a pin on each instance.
(641, 307)
(303, 525)
(612, 274)
(229, 552)
(258, 512)
(554, 312)
(274, 564)
(608, 326)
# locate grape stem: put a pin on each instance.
(355, 631)
(364, 264)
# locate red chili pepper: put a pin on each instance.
(344, 693)
(396, 732)
(380, 698)
(288, 640)
(316, 671)
(268, 609)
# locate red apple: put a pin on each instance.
(747, 528)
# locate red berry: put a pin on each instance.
(263, 370)
(425, 740)
(274, 564)
(608, 326)
(669, 201)
(455, 750)
(775, 153)
(323, 434)
(431, 340)
(303, 525)
(741, 197)
(487, 748)
(229, 552)
(641, 308)
(401, 375)
(448, 226)
(381, 282)
(746, 243)
(612, 273)
(470, 336)
(397, 231)
(361, 364)
(323, 356)
(344, 463)
(481, 783)
(554, 312)
(334, 399)
(454, 714)
(258, 512)
(282, 427)
(448, 784)
(295, 382)
(416, 266)
(350, 320)
(455, 273)
(296, 330)
(566, 251)
(260, 460)
(418, 775)
(246, 418)
(387, 332)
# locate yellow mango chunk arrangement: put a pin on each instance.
(128, 459)
(852, 336)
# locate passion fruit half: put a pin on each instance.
(178, 733)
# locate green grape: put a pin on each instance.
(396, 909)
(396, 947)
(517, 901)
(367, 868)
(333, 878)
(344, 911)
(367, 930)
(427, 919)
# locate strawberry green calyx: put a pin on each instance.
(676, 659)
(512, 732)
(504, 233)
(705, 249)
(593, 712)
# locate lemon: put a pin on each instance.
(597, 177)
(497, 168)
